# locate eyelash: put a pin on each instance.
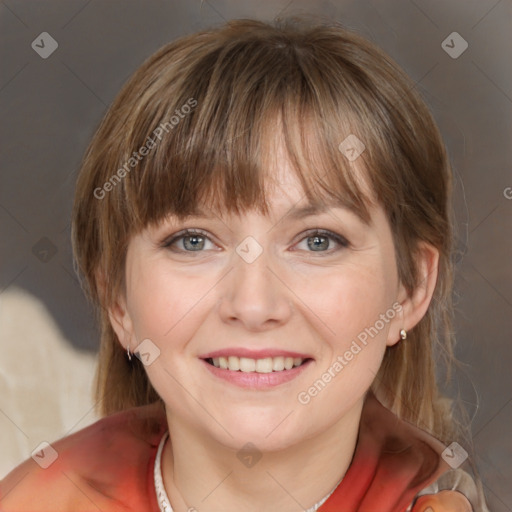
(342, 241)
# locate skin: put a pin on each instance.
(291, 297)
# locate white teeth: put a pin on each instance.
(234, 363)
(247, 365)
(265, 365)
(278, 364)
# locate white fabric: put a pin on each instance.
(45, 383)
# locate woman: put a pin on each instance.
(263, 218)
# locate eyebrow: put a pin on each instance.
(308, 210)
(297, 212)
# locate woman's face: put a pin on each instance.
(263, 292)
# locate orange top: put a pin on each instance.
(108, 466)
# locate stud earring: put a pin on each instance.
(403, 334)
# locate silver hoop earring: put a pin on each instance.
(129, 353)
(403, 334)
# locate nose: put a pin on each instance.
(254, 295)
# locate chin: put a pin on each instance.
(267, 430)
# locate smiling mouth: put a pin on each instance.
(248, 365)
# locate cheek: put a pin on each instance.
(350, 301)
(355, 309)
(165, 305)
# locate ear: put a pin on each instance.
(117, 312)
(121, 322)
(414, 304)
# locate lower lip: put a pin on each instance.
(254, 380)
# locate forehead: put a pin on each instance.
(284, 189)
(285, 199)
(292, 171)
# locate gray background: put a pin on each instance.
(50, 107)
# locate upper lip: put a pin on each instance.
(253, 354)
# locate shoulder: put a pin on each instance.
(104, 465)
(405, 453)
(410, 460)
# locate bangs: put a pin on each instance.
(221, 154)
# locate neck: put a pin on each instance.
(207, 476)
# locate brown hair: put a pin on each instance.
(320, 83)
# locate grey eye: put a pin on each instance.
(189, 241)
(318, 242)
(323, 241)
(193, 242)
